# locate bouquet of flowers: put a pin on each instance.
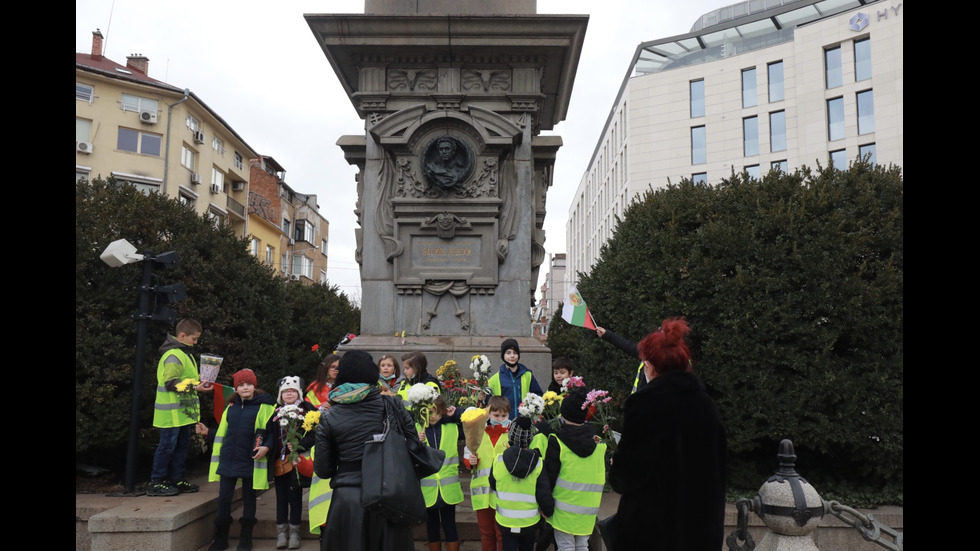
(597, 404)
(291, 419)
(210, 365)
(421, 396)
(482, 371)
(531, 407)
(474, 422)
(552, 408)
(571, 383)
(311, 420)
(456, 388)
(187, 398)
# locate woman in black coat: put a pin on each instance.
(670, 465)
(357, 413)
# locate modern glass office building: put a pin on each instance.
(755, 86)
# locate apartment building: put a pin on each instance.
(287, 231)
(165, 139)
(157, 137)
(755, 86)
(553, 294)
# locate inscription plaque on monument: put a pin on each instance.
(434, 253)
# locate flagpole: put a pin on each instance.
(589, 313)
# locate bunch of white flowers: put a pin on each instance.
(421, 393)
(532, 406)
(481, 366)
(290, 413)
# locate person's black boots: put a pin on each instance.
(245, 538)
(221, 526)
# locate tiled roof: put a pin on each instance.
(112, 69)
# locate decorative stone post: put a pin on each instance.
(788, 505)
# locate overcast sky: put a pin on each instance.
(259, 67)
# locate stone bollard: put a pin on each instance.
(787, 504)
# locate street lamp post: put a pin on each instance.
(120, 253)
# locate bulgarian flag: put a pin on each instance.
(222, 396)
(576, 312)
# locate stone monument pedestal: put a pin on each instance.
(453, 172)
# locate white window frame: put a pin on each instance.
(139, 142)
(84, 92)
(83, 130)
(218, 145)
(193, 123)
(138, 104)
(302, 265)
(188, 158)
(239, 161)
(218, 177)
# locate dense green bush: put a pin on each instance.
(252, 317)
(794, 287)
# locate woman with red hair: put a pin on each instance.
(670, 465)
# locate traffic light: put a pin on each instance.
(166, 295)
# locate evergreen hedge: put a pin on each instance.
(251, 316)
(793, 286)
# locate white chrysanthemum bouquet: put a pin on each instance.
(422, 396)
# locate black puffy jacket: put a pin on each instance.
(343, 430)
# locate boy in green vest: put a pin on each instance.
(522, 492)
(176, 411)
(513, 380)
(575, 466)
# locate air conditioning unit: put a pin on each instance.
(238, 186)
(148, 117)
(215, 188)
(84, 147)
(195, 178)
(292, 241)
(198, 136)
(293, 277)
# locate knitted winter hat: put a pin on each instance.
(244, 376)
(520, 433)
(287, 383)
(571, 407)
(507, 345)
(357, 366)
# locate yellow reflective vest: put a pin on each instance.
(480, 495)
(636, 381)
(578, 490)
(260, 467)
(494, 384)
(319, 496)
(446, 481)
(176, 409)
(517, 506)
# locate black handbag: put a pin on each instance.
(390, 486)
(426, 460)
(606, 527)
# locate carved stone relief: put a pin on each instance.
(446, 162)
(412, 79)
(486, 80)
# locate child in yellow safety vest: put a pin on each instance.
(442, 490)
(240, 448)
(523, 496)
(481, 461)
(575, 466)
